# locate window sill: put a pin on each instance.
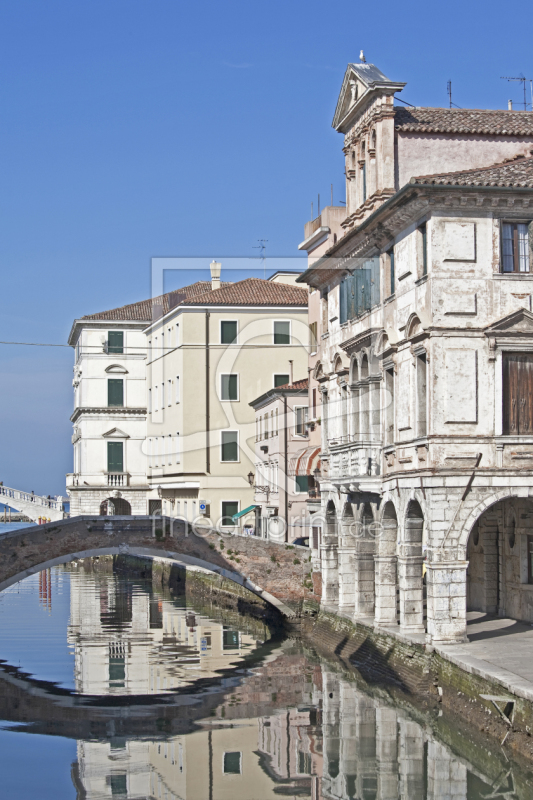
(389, 299)
(514, 276)
(421, 280)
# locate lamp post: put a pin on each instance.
(265, 489)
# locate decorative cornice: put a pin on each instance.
(108, 411)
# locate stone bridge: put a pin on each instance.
(31, 505)
(278, 573)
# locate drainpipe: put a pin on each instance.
(286, 470)
(290, 371)
(207, 406)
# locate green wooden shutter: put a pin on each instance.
(229, 387)
(282, 333)
(228, 331)
(115, 392)
(115, 341)
(115, 456)
(230, 447)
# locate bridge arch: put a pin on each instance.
(269, 569)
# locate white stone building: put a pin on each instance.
(425, 358)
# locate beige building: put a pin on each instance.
(208, 358)
(162, 387)
(425, 347)
(287, 462)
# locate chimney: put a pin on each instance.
(510, 105)
(215, 267)
(290, 371)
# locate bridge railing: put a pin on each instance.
(7, 494)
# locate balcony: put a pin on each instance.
(112, 479)
(118, 479)
(354, 459)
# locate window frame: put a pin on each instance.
(229, 399)
(222, 515)
(116, 381)
(109, 346)
(516, 250)
(236, 322)
(228, 460)
(284, 322)
(123, 449)
(277, 374)
(296, 432)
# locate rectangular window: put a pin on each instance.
(162, 395)
(515, 247)
(149, 401)
(424, 235)
(517, 393)
(363, 176)
(169, 398)
(313, 337)
(325, 310)
(229, 387)
(530, 559)
(177, 448)
(229, 446)
(281, 380)
(115, 341)
(421, 395)
(115, 392)
(228, 331)
(230, 641)
(391, 270)
(229, 509)
(303, 483)
(276, 424)
(300, 428)
(282, 332)
(177, 388)
(389, 406)
(115, 456)
(314, 403)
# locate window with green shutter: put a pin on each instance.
(115, 341)
(282, 332)
(228, 331)
(115, 392)
(229, 387)
(280, 380)
(230, 446)
(115, 456)
(229, 509)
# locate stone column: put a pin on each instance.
(364, 576)
(330, 562)
(410, 580)
(446, 598)
(447, 777)
(411, 760)
(346, 578)
(386, 574)
(387, 754)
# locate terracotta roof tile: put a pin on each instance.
(146, 310)
(465, 121)
(254, 292)
(299, 385)
(514, 172)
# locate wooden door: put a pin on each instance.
(517, 393)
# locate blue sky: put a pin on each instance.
(133, 129)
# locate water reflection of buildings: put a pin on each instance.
(128, 640)
(345, 745)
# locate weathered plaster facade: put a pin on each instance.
(418, 327)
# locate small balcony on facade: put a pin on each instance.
(111, 479)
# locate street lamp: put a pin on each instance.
(265, 489)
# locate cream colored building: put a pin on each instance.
(208, 358)
(161, 417)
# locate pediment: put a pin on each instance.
(115, 433)
(359, 81)
(117, 369)
(519, 323)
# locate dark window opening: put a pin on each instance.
(281, 380)
(282, 333)
(228, 332)
(515, 247)
(517, 393)
(230, 446)
(115, 457)
(115, 392)
(115, 341)
(229, 509)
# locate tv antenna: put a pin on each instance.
(262, 249)
(523, 81)
(449, 90)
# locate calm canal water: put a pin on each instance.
(111, 686)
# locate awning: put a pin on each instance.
(305, 462)
(242, 513)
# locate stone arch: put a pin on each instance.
(465, 526)
(364, 369)
(318, 371)
(115, 506)
(414, 326)
(382, 343)
(354, 369)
